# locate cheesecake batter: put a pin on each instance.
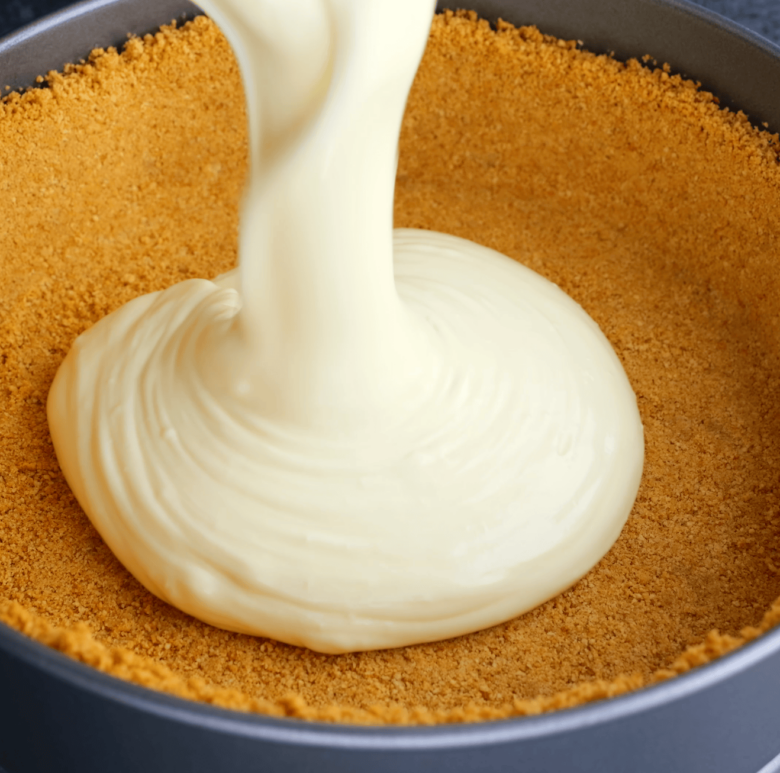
(361, 439)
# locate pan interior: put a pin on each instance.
(623, 184)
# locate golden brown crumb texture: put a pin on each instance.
(624, 184)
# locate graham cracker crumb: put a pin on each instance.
(623, 183)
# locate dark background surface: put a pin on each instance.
(761, 16)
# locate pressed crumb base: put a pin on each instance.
(625, 185)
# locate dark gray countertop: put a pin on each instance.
(16, 13)
(762, 16)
